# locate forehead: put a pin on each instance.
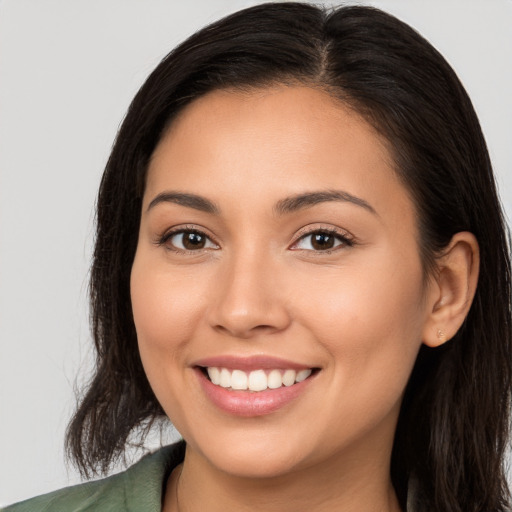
(272, 142)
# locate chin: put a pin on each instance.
(252, 464)
(253, 453)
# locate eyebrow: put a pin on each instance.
(282, 207)
(189, 200)
(309, 199)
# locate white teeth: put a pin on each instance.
(289, 377)
(274, 379)
(302, 375)
(257, 380)
(238, 379)
(225, 378)
(214, 375)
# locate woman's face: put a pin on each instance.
(277, 244)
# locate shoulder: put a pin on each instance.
(138, 488)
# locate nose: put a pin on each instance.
(249, 301)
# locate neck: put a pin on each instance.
(344, 483)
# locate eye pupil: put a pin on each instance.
(193, 241)
(322, 241)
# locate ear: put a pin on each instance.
(452, 289)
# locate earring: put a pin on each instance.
(441, 335)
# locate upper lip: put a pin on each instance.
(258, 362)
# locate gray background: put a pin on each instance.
(68, 70)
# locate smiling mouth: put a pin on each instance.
(255, 380)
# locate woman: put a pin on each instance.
(301, 260)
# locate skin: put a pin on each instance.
(358, 312)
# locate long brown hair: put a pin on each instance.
(454, 422)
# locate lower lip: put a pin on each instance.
(247, 403)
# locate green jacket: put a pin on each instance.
(138, 489)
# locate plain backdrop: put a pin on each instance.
(68, 70)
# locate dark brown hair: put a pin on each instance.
(454, 422)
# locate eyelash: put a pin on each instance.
(344, 238)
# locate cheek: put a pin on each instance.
(162, 304)
(369, 319)
(165, 310)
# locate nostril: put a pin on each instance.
(245, 331)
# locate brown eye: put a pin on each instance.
(193, 241)
(322, 241)
(187, 240)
